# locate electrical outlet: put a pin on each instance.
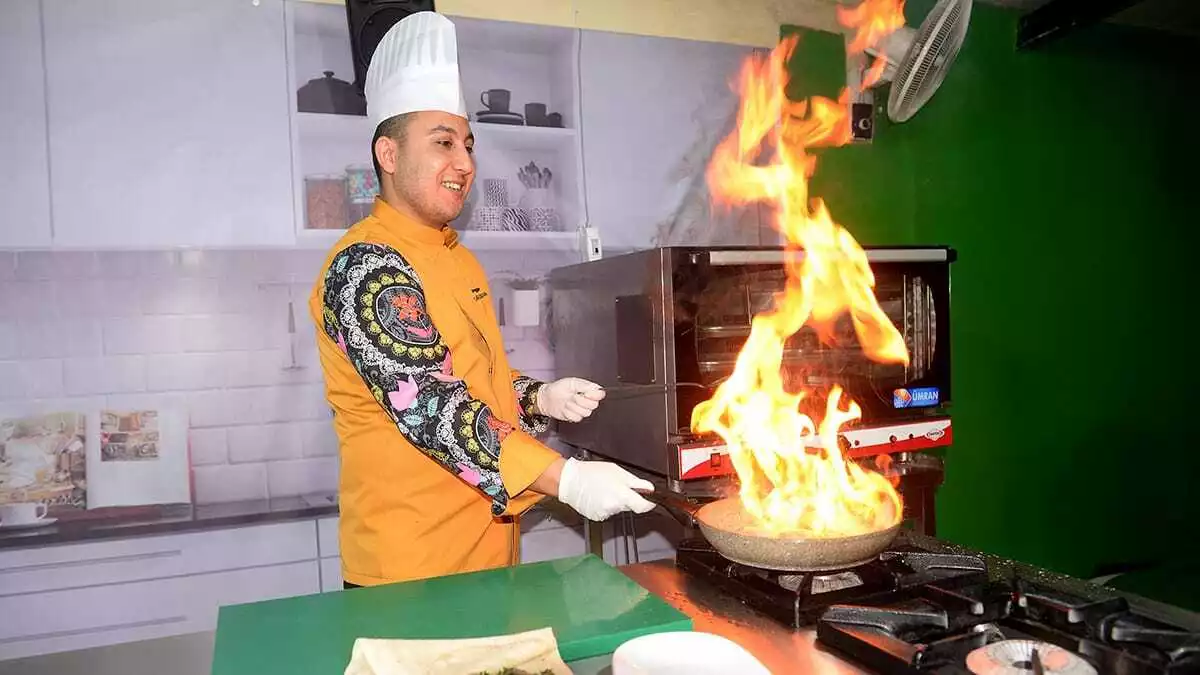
(591, 244)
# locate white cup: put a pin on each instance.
(21, 514)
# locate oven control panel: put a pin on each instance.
(703, 459)
(709, 457)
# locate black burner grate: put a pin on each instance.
(797, 599)
(933, 629)
(912, 611)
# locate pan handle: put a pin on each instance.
(681, 508)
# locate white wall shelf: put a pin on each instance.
(476, 240)
(537, 64)
(355, 130)
(231, 170)
(524, 137)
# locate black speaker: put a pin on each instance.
(369, 20)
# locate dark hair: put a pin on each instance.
(395, 128)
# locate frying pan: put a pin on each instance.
(725, 524)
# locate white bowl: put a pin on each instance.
(684, 653)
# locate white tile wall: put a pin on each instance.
(104, 375)
(302, 476)
(40, 378)
(45, 338)
(166, 372)
(9, 348)
(204, 331)
(230, 482)
(28, 299)
(8, 265)
(209, 446)
(263, 442)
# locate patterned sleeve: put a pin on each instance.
(374, 309)
(533, 422)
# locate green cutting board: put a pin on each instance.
(591, 606)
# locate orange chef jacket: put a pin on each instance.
(434, 428)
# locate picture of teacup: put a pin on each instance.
(23, 513)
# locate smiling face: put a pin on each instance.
(429, 168)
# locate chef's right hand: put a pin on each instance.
(569, 399)
(600, 490)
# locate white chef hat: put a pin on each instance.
(415, 67)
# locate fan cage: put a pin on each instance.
(929, 58)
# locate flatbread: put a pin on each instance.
(534, 651)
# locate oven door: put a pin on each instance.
(717, 292)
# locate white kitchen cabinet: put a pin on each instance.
(552, 544)
(112, 613)
(547, 533)
(327, 538)
(653, 109)
(24, 168)
(74, 596)
(168, 123)
(31, 570)
(551, 531)
(331, 575)
(330, 552)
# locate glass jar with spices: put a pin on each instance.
(362, 185)
(325, 202)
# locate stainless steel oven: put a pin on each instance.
(660, 328)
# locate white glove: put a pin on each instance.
(599, 490)
(570, 399)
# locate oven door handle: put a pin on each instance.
(782, 256)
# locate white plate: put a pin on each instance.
(25, 526)
(684, 653)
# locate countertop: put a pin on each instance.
(781, 649)
(172, 519)
(784, 650)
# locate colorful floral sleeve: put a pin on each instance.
(374, 308)
(532, 420)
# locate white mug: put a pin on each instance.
(22, 514)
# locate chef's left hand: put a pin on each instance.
(570, 399)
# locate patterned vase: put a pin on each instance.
(539, 204)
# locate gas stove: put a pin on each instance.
(916, 611)
(798, 599)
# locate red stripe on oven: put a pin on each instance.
(905, 445)
(711, 460)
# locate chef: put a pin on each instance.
(436, 432)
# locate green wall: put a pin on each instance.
(1061, 176)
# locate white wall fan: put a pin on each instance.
(918, 59)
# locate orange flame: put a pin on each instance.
(874, 72)
(872, 20)
(793, 476)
